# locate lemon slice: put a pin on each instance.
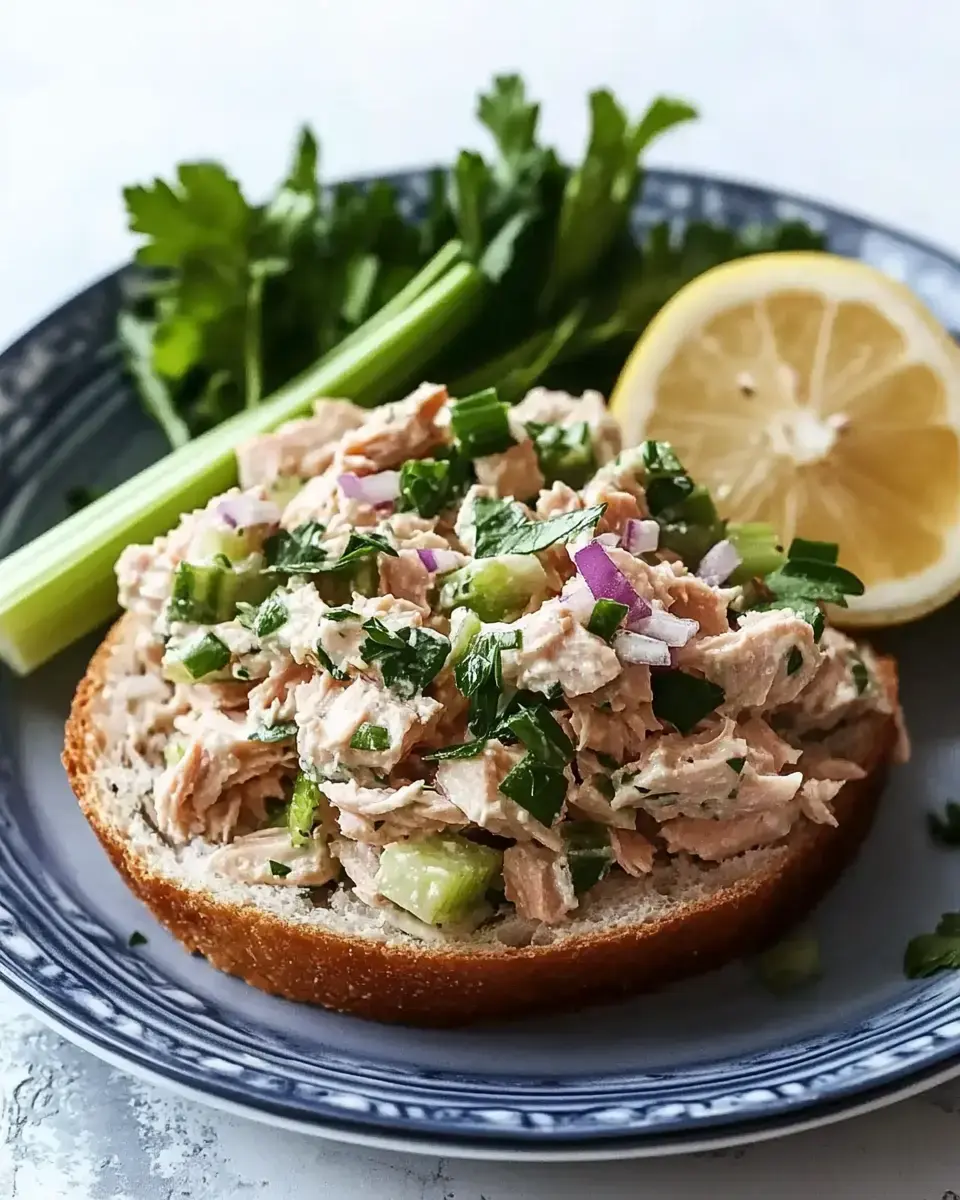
(813, 392)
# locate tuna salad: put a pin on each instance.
(467, 660)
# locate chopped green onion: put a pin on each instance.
(759, 549)
(684, 700)
(467, 626)
(439, 878)
(464, 750)
(343, 613)
(200, 656)
(278, 868)
(736, 764)
(790, 964)
(302, 812)
(370, 737)
(606, 618)
(480, 424)
(538, 788)
(76, 558)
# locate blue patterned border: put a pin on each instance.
(77, 971)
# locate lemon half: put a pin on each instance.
(817, 394)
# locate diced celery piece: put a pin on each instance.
(464, 627)
(205, 594)
(439, 878)
(202, 656)
(173, 752)
(233, 544)
(284, 488)
(791, 963)
(304, 802)
(757, 545)
(589, 853)
(496, 589)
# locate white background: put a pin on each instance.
(852, 101)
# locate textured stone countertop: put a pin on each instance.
(850, 102)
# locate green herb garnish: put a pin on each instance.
(539, 731)
(279, 869)
(565, 452)
(370, 737)
(302, 811)
(589, 853)
(136, 939)
(325, 661)
(480, 424)
(538, 788)
(929, 953)
(794, 660)
(684, 700)
(271, 616)
(479, 676)
(736, 764)
(409, 658)
(427, 486)
(861, 676)
(502, 527)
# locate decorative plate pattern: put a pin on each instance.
(73, 964)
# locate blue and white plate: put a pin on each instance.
(708, 1062)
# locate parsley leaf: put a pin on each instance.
(370, 737)
(409, 658)
(464, 750)
(329, 665)
(589, 853)
(136, 939)
(945, 829)
(537, 787)
(929, 953)
(684, 700)
(279, 869)
(503, 528)
(565, 452)
(539, 731)
(426, 486)
(794, 660)
(271, 616)
(479, 676)
(296, 551)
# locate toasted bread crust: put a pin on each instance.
(445, 986)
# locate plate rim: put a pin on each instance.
(591, 1145)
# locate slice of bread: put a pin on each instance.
(629, 935)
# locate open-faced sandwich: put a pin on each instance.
(455, 710)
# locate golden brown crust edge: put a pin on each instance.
(402, 983)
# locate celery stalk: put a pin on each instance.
(61, 586)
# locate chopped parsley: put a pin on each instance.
(429, 485)
(606, 618)
(794, 661)
(296, 551)
(136, 939)
(736, 764)
(565, 452)
(861, 676)
(539, 731)
(370, 737)
(929, 953)
(283, 732)
(279, 869)
(270, 616)
(409, 658)
(537, 787)
(684, 700)
(341, 613)
(479, 676)
(464, 750)
(945, 830)
(502, 527)
(329, 665)
(589, 853)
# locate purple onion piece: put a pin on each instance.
(666, 628)
(607, 582)
(641, 537)
(429, 559)
(244, 512)
(379, 490)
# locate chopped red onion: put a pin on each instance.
(242, 511)
(441, 560)
(641, 537)
(379, 490)
(635, 648)
(719, 563)
(666, 628)
(607, 582)
(608, 539)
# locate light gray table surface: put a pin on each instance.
(847, 100)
